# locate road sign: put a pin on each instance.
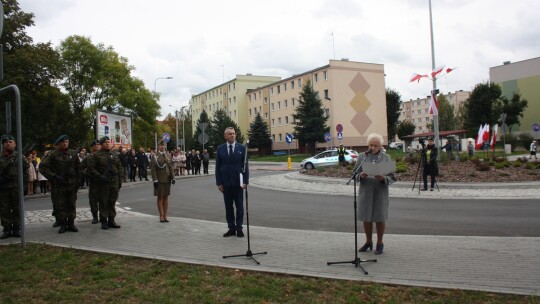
(289, 138)
(340, 136)
(203, 138)
(327, 137)
(339, 128)
(166, 137)
(536, 127)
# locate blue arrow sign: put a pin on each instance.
(327, 137)
(166, 137)
(289, 138)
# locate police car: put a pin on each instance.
(328, 158)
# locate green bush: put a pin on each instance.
(529, 166)
(401, 167)
(502, 165)
(482, 166)
(516, 164)
(525, 140)
(512, 140)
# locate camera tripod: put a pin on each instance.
(421, 165)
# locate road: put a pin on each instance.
(199, 198)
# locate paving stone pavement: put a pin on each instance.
(495, 264)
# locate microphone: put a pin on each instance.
(368, 151)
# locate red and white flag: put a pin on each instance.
(448, 70)
(479, 137)
(437, 71)
(433, 105)
(494, 137)
(485, 134)
(417, 77)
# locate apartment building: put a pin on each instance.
(352, 93)
(417, 111)
(521, 77)
(230, 97)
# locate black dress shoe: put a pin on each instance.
(5, 235)
(230, 232)
(162, 221)
(95, 221)
(239, 233)
(112, 224)
(72, 228)
(56, 224)
(104, 225)
(62, 229)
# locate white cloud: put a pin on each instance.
(202, 43)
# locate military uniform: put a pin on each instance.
(162, 173)
(92, 189)
(106, 170)
(63, 168)
(9, 191)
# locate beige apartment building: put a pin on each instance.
(352, 93)
(230, 97)
(417, 111)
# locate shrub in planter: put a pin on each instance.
(482, 166)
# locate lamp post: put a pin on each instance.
(155, 91)
(435, 91)
(176, 118)
(183, 130)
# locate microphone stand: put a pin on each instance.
(356, 262)
(249, 253)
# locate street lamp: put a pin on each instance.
(183, 130)
(155, 81)
(176, 118)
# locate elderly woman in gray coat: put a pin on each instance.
(373, 194)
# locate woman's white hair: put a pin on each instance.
(377, 137)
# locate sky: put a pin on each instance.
(204, 43)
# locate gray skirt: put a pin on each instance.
(163, 189)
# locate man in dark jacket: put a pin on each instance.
(142, 163)
(124, 162)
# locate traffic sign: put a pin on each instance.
(327, 137)
(536, 127)
(166, 137)
(288, 138)
(340, 136)
(339, 128)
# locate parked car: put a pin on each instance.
(396, 145)
(328, 158)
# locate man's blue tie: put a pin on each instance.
(230, 151)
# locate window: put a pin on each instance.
(426, 110)
(272, 106)
(420, 128)
(249, 112)
(285, 87)
(292, 85)
(278, 89)
(266, 115)
(279, 122)
(292, 102)
(249, 97)
(234, 86)
(280, 138)
(265, 100)
(279, 105)
(234, 99)
(271, 91)
(325, 75)
(299, 83)
(286, 103)
(255, 96)
(286, 120)
(326, 96)
(273, 137)
(316, 78)
(327, 112)
(272, 122)
(427, 118)
(234, 113)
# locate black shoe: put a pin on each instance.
(16, 233)
(56, 224)
(5, 235)
(72, 228)
(95, 220)
(146, 179)
(366, 247)
(112, 224)
(239, 233)
(62, 229)
(104, 225)
(230, 232)
(431, 189)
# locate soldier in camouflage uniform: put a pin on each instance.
(92, 189)
(62, 168)
(9, 190)
(105, 168)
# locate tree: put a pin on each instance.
(96, 77)
(35, 69)
(405, 128)
(393, 110)
(478, 109)
(203, 118)
(512, 108)
(447, 119)
(221, 122)
(259, 136)
(309, 118)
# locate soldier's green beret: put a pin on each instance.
(60, 139)
(7, 137)
(103, 139)
(94, 142)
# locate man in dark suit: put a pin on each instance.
(231, 166)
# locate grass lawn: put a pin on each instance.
(47, 274)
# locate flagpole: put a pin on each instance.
(434, 92)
